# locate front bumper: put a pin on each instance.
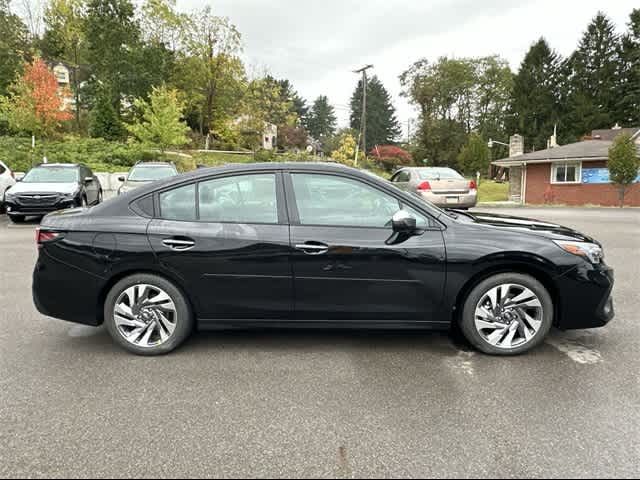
(585, 297)
(18, 209)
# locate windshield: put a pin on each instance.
(439, 173)
(150, 173)
(51, 175)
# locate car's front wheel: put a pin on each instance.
(507, 314)
(147, 315)
(17, 218)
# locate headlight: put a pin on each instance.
(589, 251)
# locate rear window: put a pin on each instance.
(150, 173)
(439, 173)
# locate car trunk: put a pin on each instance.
(450, 186)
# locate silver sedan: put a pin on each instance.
(442, 186)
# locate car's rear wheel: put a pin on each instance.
(147, 315)
(507, 314)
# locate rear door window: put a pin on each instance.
(179, 204)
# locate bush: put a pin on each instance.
(16, 152)
(389, 157)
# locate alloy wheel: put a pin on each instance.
(508, 316)
(145, 315)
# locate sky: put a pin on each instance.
(318, 44)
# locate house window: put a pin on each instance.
(566, 172)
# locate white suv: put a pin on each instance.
(7, 180)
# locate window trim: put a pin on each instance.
(294, 216)
(281, 207)
(555, 165)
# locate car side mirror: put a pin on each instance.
(404, 226)
(122, 179)
(88, 179)
(403, 222)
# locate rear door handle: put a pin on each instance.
(178, 244)
(315, 248)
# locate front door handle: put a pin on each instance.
(315, 248)
(179, 244)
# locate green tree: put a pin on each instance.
(322, 119)
(382, 124)
(64, 40)
(161, 124)
(624, 164)
(474, 156)
(104, 120)
(209, 69)
(535, 103)
(593, 78)
(630, 72)
(14, 46)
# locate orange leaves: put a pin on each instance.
(43, 86)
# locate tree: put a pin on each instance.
(64, 39)
(390, 156)
(535, 103)
(629, 105)
(14, 46)
(209, 66)
(474, 156)
(322, 119)
(161, 125)
(34, 105)
(292, 137)
(104, 121)
(382, 124)
(593, 78)
(346, 151)
(624, 164)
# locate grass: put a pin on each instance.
(490, 191)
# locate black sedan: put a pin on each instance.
(50, 187)
(312, 245)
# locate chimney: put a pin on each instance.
(553, 141)
(516, 145)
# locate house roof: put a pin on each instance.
(610, 133)
(586, 150)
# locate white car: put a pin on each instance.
(7, 180)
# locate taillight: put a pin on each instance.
(44, 236)
(473, 185)
(424, 186)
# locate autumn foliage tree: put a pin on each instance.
(34, 104)
(390, 156)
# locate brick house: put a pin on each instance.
(573, 174)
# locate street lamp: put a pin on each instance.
(492, 142)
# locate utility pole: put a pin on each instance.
(363, 121)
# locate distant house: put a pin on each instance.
(63, 76)
(573, 174)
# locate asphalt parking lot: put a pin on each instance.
(321, 404)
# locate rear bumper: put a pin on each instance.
(452, 200)
(585, 297)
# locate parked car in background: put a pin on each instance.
(50, 187)
(144, 173)
(7, 180)
(312, 245)
(441, 186)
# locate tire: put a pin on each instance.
(100, 198)
(83, 202)
(180, 321)
(511, 327)
(17, 218)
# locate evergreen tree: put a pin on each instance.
(593, 78)
(474, 156)
(104, 121)
(322, 119)
(629, 105)
(382, 125)
(535, 103)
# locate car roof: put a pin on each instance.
(58, 165)
(154, 164)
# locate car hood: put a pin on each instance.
(22, 187)
(529, 225)
(131, 185)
